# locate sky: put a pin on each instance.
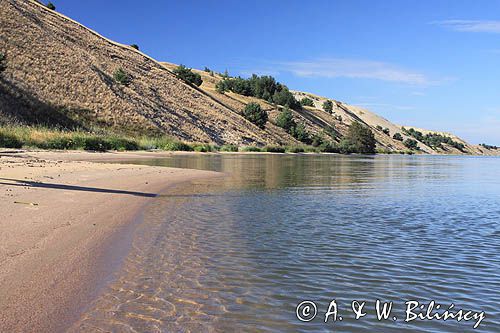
(433, 64)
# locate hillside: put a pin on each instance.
(60, 73)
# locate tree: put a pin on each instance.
(3, 64)
(285, 120)
(51, 6)
(411, 144)
(187, 75)
(328, 106)
(121, 77)
(207, 69)
(359, 139)
(135, 46)
(300, 133)
(386, 131)
(254, 113)
(397, 136)
(307, 102)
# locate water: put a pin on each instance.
(238, 254)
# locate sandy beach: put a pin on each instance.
(65, 224)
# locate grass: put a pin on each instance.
(39, 137)
(44, 138)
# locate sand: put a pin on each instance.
(65, 224)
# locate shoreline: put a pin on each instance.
(67, 225)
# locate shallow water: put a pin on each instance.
(238, 254)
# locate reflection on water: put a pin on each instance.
(238, 254)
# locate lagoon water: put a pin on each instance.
(239, 253)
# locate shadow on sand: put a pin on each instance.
(17, 182)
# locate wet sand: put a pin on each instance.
(65, 224)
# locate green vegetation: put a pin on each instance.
(328, 106)
(490, 147)
(187, 75)
(229, 148)
(397, 136)
(250, 149)
(262, 87)
(386, 131)
(306, 102)
(273, 149)
(300, 133)
(411, 144)
(3, 62)
(285, 120)
(135, 46)
(44, 138)
(51, 6)
(359, 139)
(254, 113)
(433, 140)
(122, 77)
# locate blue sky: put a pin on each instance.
(432, 64)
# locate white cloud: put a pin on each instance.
(471, 25)
(356, 69)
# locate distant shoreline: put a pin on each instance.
(65, 227)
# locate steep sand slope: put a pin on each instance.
(61, 72)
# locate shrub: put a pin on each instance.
(51, 6)
(250, 149)
(386, 131)
(306, 102)
(274, 149)
(254, 113)
(359, 139)
(295, 149)
(3, 61)
(135, 46)
(328, 147)
(121, 77)
(317, 140)
(397, 136)
(262, 87)
(328, 106)
(411, 144)
(8, 140)
(203, 147)
(229, 148)
(187, 75)
(285, 120)
(300, 133)
(207, 69)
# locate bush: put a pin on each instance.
(300, 133)
(187, 75)
(254, 113)
(397, 136)
(250, 149)
(285, 120)
(307, 102)
(411, 144)
(328, 147)
(295, 149)
(121, 77)
(386, 131)
(135, 46)
(203, 147)
(274, 149)
(359, 139)
(3, 62)
(262, 87)
(51, 6)
(9, 141)
(229, 148)
(328, 106)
